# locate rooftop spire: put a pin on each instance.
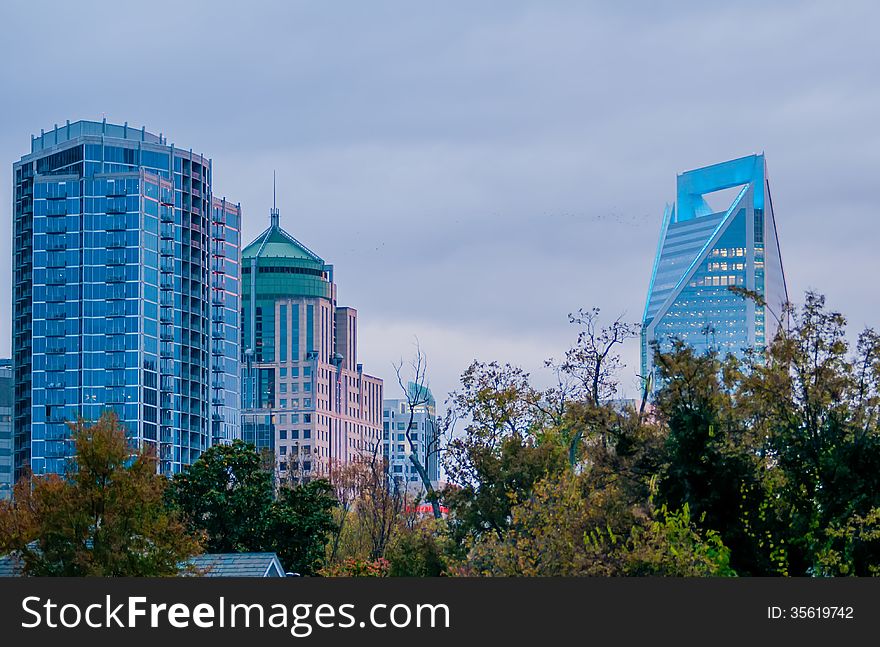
(273, 213)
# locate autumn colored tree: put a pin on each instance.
(105, 517)
(569, 528)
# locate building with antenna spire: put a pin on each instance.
(305, 397)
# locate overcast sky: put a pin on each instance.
(477, 170)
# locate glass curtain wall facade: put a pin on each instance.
(115, 251)
(704, 251)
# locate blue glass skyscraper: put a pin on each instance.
(125, 295)
(703, 251)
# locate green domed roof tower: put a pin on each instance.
(277, 266)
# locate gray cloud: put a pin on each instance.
(476, 171)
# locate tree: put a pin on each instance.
(813, 404)
(711, 463)
(299, 524)
(590, 368)
(418, 397)
(105, 517)
(229, 495)
(372, 510)
(419, 551)
(569, 528)
(504, 450)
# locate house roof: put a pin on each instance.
(238, 565)
(10, 566)
(208, 565)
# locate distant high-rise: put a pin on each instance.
(125, 295)
(6, 391)
(704, 250)
(423, 431)
(305, 396)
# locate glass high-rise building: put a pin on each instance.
(126, 283)
(703, 250)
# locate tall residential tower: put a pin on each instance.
(305, 396)
(125, 295)
(705, 250)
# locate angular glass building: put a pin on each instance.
(705, 250)
(126, 280)
(305, 396)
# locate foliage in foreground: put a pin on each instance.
(229, 495)
(768, 465)
(106, 517)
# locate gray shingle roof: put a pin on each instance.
(208, 565)
(10, 566)
(238, 565)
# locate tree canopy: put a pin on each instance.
(105, 517)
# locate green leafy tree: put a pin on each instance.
(105, 517)
(299, 525)
(501, 453)
(815, 404)
(228, 494)
(712, 463)
(569, 528)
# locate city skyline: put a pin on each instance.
(457, 171)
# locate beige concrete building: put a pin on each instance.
(305, 396)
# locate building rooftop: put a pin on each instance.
(68, 131)
(277, 243)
